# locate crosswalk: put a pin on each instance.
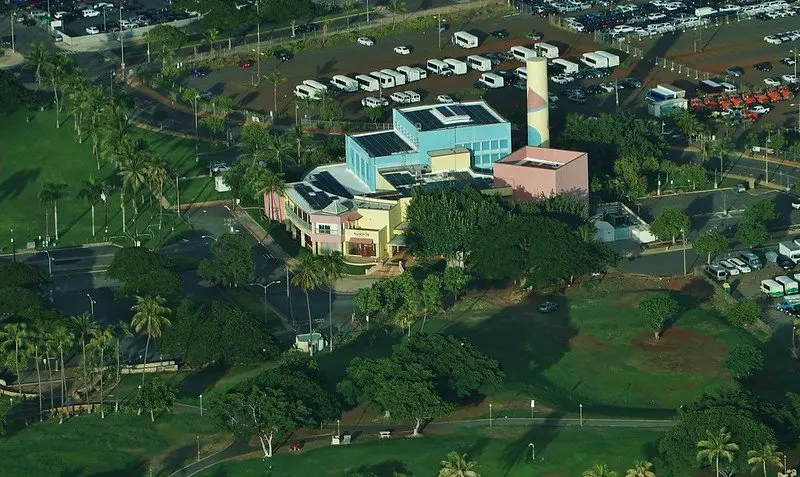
(67, 52)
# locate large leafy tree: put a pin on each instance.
(300, 384)
(18, 274)
(670, 223)
(752, 233)
(152, 317)
(155, 395)
(455, 281)
(744, 360)
(761, 211)
(457, 465)
(599, 470)
(711, 243)
(166, 39)
(143, 272)
(658, 309)
(716, 446)
(231, 264)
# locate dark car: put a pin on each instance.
(499, 33)
(547, 307)
(307, 28)
(631, 83)
(534, 36)
(763, 66)
(785, 262)
(244, 64)
(5, 40)
(496, 60)
(735, 71)
(199, 72)
(283, 55)
(595, 89)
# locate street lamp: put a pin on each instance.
(91, 304)
(273, 282)
(209, 236)
(13, 247)
(794, 331)
(580, 406)
(121, 43)
(795, 61)
(338, 428)
(178, 194)
(196, 96)
(490, 414)
(49, 263)
(683, 233)
(201, 405)
(13, 14)
(533, 451)
(798, 114)
(198, 448)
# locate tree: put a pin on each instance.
(752, 233)
(710, 242)
(332, 268)
(307, 276)
(742, 313)
(763, 457)
(744, 360)
(275, 77)
(14, 336)
(101, 340)
(455, 281)
(234, 178)
(37, 59)
(374, 114)
(658, 309)
(641, 468)
(211, 35)
(270, 185)
(256, 140)
(301, 139)
(18, 274)
(57, 68)
(4, 408)
(670, 223)
(166, 39)
(457, 465)
(760, 211)
(232, 263)
(279, 150)
(156, 172)
(397, 7)
(212, 125)
(150, 315)
(599, 470)
(431, 296)
(84, 325)
(63, 340)
(368, 300)
(715, 446)
(51, 193)
(133, 172)
(143, 272)
(156, 395)
(91, 191)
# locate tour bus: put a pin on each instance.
(304, 91)
(368, 83)
(465, 40)
(522, 53)
(344, 83)
(315, 84)
(439, 67)
(386, 81)
(479, 63)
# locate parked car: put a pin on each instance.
(499, 33)
(763, 66)
(729, 267)
(283, 55)
(771, 82)
(244, 64)
(534, 36)
(219, 166)
(630, 82)
(784, 262)
(373, 102)
(307, 28)
(402, 50)
(205, 94)
(740, 188)
(92, 30)
(199, 72)
(735, 71)
(547, 307)
(59, 15)
(759, 109)
(90, 13)
(443, 98)
(788, 61)
(364, 41)
(789, 79)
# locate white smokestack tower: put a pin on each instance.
(538, 113)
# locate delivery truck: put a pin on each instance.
(790, 249)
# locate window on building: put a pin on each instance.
(323, 229)
(485, 146)
(504, 144)
(495, 157)
(495, 144)
(476, 146)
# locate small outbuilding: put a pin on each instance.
(309, 342)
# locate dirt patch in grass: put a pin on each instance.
(682, 350)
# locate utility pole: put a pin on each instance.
(13, 14)
(439, 17)
(766, 160)
(258, 43)
(121, 43)
(367, 11)
(178, 194)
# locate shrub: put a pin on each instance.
(742, 313)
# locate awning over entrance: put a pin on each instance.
(398, 241)
(360, 240)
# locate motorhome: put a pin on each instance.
(771, 288)
(546, 49)
(479, 63)
(613, 60)
(368, 83)
(386, 81)
(790, 287)
(410, 72)
(315, 84)
(568, 66)
(439, 67)
(465, 39)
(593, 60)
(344, 83)
(304, 91)
(522, 53)
(459, 67)
(492, 80)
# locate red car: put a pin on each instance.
(244, 64)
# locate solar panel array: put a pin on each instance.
(399, 179)
(382, 144)
(426, 121)
(324, 180)
(317, 200)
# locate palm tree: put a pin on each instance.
(764, 457)
(396, 7)
(211, 35)
(95, 101)
(275, 77)
(101, 339)
(599, 470)
(305, 103)
(115, 138)
(56, 68)
(307, 276)
(300, 139)
(641, 468)
(717, 446)
(269, 184)
(14, 335)
(63, 340)
(84, 326)
(123, 331)
(75, 88)
(133, 172)
(50, 349)
(279, 149)
(332, 267)
(37, 58)
(36, 344)
(156, 171)
(51, 193)
(91, 191)
(150, 315)
(457, 465)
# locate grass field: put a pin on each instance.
(563, 452)
(36, 152)
(119, 445)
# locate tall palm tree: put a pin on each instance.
(333, 268)
(115, 136)
(156, 171)
(84, 325)
(63, 339)
(56, 68)
(51, 193)
(75, 89)
(14, 336)
(36, 344)
(599, 470)
(50, 350)
(307, 276)
(300, 139)
(278, 150)
(305, 103)
(123, 331)
(102, 339)
(91, 191)
(211, 35)
(766, 456)
(397, 7)
(641, 468)
(96, 102)
(269, 184)
(150, 315)
(133, 172)
(36, 58)
(718, 445)
(275, 77)
(457, 465)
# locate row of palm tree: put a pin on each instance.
(641, 468)
(313, 271)
(718, 446)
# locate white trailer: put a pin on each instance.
(304, 91)
(492, 80)
(344, 83)
(790, 287)
(790, 249)
(593, 60)
(465, 39)
(546, 49)
(458, 66)
(568, 66)
(315, 84)
(368, 83)
(421, 72)
(522, 53)
(439, 67)
(386, 81)
(479, 63)
(410, 72)
(399, 78)
(613, 60)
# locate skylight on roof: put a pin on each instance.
(451, 115)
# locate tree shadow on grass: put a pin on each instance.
(132, 469)
(386, 468)
(374, 343)
(17, 182)
(178, 457)
(203, 380)
(519, 451)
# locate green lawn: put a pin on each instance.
(35, 152)
(120, 445)
(559, 453)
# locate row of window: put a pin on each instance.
(499, 145)
(485, 161)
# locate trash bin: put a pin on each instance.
(727, 288)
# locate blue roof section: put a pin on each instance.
(383, 143)
(429, 118)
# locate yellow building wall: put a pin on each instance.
(458, 160)
(382, 184)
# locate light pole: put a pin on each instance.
(273, 282)
(91, 304)
(49, 263)
(178, 194)
(439, 30)
(198, 448)
(580, 406)
(683, 233)
(111, 83)
(201, 405)
(533, 451)
(104, 20)
(367, 11)
(258, 43)
(794, 331)
(490, 414)
(798, 115)
(121, 43)
(196, 96)
(13, 247)
(13, 14)
(338, 427)
(795, 61)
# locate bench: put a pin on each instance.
(385, 434)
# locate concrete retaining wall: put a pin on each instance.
(87, 40)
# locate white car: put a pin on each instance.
(731, 268)
(738, 263)
(790, 79)
(92, 30)
(552, 97)
(364, 41)
(89, 13)
(373, 102)
(771, 82)
(219, 167)
(399, 97)
(772, 40)
(59, 15)
(758, 109)
(562, 79)
(102, 5)
(402, 50)
(607, 87)
(443, 98)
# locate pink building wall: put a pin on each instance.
(529, 183)
(274, 207)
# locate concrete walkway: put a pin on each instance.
(10, 59)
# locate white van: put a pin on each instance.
(492, 80)
(399, 78)
(304, 91)
(716, 273)
(568, 66)
(479, 63)
(315, 85)
(522, 53)
(399, 97)
(413, 96)
(367, 83)
(465, 40)
(344, 83)
(439, 67)
(729, 87)
(458, 66)
(731, 268)
(521, 73)
(546, 49)
(386, 81)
